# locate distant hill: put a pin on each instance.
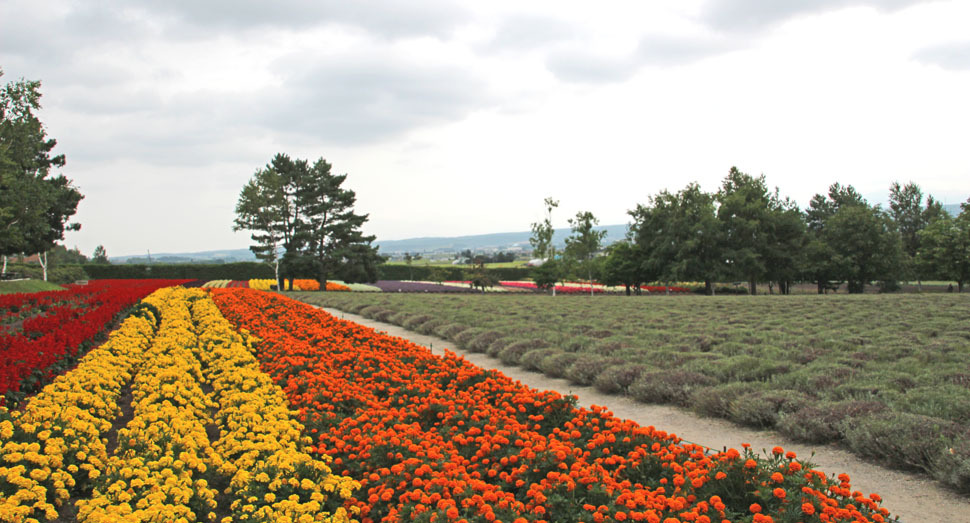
(503, 241)
(223, 256)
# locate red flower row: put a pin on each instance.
(438, 439)
(46, 332)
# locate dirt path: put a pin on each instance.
(914, 498)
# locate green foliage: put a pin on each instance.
(303, 221)
(542, 233)
(100, 255)
(945, 247)
(34, 206)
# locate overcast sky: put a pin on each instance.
(456, 118)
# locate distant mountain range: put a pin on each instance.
(503, 241)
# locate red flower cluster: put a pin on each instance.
(42, 334)
(438, 439)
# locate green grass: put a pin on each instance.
(10, 287)
(822, 369)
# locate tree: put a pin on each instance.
(945, 246)
(100, 255)
(34, 206)
(851, 240)
(331, 228)
(302, 211)
(542, 233)
(680, 236)
(547, 274)
(584, 242)
(261, 208)
(622, 266)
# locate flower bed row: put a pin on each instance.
(188, 453)
(53, 448)
(438, 439)
(55, 328)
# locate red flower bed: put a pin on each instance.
(438, 439)
(42, 334)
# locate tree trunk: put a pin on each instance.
(821, 288)
(708, 288)
(42, 258)
(4, 265)
(276, 272)
(627, 289)
(753, 286)
(589, 272)
(959, 285)
(771, 287)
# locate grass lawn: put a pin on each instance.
(9, 287)
(886, 375)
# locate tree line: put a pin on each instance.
(749, 233)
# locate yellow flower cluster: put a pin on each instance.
(54, 446)
(158, 470)
(298, 284)
(272, 477)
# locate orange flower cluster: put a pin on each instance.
(334, 286)
(437, 439)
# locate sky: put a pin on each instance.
(456, 118)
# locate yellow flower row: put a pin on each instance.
(54, 446)
(158, 471)
(298, 284)
(272, 477)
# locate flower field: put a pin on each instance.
(204, 436)
(884, 376)
(42, 334)
(438, 439)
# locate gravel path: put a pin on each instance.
(914, 498)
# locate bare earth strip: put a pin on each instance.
(914, 498)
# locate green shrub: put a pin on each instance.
(587, 367)
(762, 408)
(484, 339)
(498, 346)
(953, 467)
(901, 440)
(430, 326)
(616, 379)
(531, 360)
(671, 386)
(511, 354)
(414, 322)
(463, 338)
(945, 401)
(449, 331)
(824, 422)
(555, 365)
(748, 368)
(716, 400)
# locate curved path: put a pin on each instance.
(914, 498)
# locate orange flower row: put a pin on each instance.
(438, 439)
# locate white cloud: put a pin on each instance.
(456, 118)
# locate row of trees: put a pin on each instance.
(35, 205)
(747, 232)
(303, 222)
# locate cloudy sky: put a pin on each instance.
(455, 118)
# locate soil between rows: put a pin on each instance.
(914, 498)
